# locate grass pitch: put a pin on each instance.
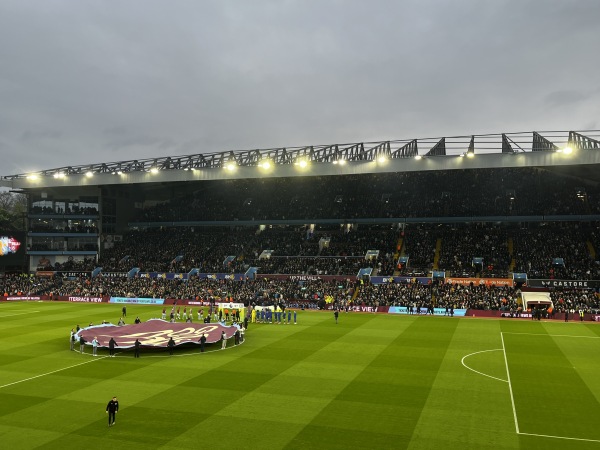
(371, 381)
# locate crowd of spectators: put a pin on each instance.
(471, 296)
(310, 293)
(293, 250)
(463, 246)
(481, 192)
(24, 284)
(261, 291)
(69, 209)
(556, 252)
(563, 250)
(62, 226)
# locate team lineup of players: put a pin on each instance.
(254, 314)
(267, 315)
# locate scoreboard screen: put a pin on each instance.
(12, 248)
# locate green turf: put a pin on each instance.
(371, 381)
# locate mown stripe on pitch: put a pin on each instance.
(224, 385)
(279, 407)
(384, 415)
(547, 388)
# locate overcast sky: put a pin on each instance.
(96, 81)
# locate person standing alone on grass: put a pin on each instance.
(136, 347)
(336, 314)
(72, 339)
(223, 340)
(112, 409)
(111, 346)
(124, 311)
(171, 345)
(202, 342)
(95, 346)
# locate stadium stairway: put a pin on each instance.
(400, 251)
(510, 252)
(591, 249)
(436, 258)
(355, 293)
(399, 248)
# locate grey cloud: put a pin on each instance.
(115, 130)
(565, 97)
(42, 134)
(151, 78)
(151, 142)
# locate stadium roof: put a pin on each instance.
(520, 149)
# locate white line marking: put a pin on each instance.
(50, 373)
(553, 335)
(512, 399)
(560, 437)
(476, 371)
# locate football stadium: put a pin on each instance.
(437, 293)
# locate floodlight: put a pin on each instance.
(417, 157)
(154, 170)
(89, 174)
(470, 154)
(381, 159)
(33, 176)
(230, 166)
(342, 162)
(568, 150)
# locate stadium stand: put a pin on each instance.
(486, 223)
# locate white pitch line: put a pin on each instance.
(560, 437)
(476, 371)
(50, 373)
(512, 398)
(553, 335)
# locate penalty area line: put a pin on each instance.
(512, 398)
(560, 437)
(50, 373)
(552, 335)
